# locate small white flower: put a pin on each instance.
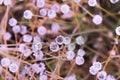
(92, 3)
(5, 62)
(92, 70)
(51, 14)
(71, 77)
(13, 67)
(117, 30)
(27, 14)
(80, 40)
(114, 1)
(40, 3)
(35, 67)
(38, 55)
(54, 47)
(43, 77)
(37, 46)
(71, 46)
(7, 36)
(16, 29)
(59, 39)
(110, 77)
(36, 39)
(7, 2)
(79, 60)
(43, 12)
(65, 9)
(27, 38)
(81, 52)
(97, 19)
(23, 30)
(67, 40)
(56, 7)
(42, 30)
(12, 22)
(102, 75)
(97, 65)
(70, 55)
(55, 27)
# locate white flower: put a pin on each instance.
(71, 77)
(92, 3)
(114, 1)
(117, 30)
(102, 75)
(77, 1)
(27, 38)
(43, 12)
(40, 3)
(23, 30)
(56, 7)
(81, 52)
(80, 40)
(5, 62)
(55, 27)
(36, 39)
(92, 70)
(97, 65)
(7, 36)
(54, 47)
(110, 77)
(97, 19)
(42, 30)
(59, 39)
(71, 46)
(37, 46)
(51, 14)
(70, 55)
(27, 14)
(13, 67)
(79, 60)
(16, 29)
(43, 77)
(7, 2)
(38, 55)
(12, 22)
(67, 40)
(65, 8)
(35, 67)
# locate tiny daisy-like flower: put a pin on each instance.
(71, 46)
(97, 19)
(79, 60)
(71, 77)
(102, 75)
(38, 55)
(55, 7)
(97, 65)
(7, 2)
(42, 30)
(5, 62)
(16, 29)
(110, 77)
(23, 30)
(51, 14)
(77, 1)
(55, 27)
(70, 55)
(27, 52)
(54, 47)
(36, 39)
(92, 3)
(27, 14)
(35, 67)
(27, 38)
(7, 36)
(59, 39)
(12, 22)
(80, 40)
(114, 1)
(36, 46)
(67, 40)
(65, 9)
(43, 77)
(80, 52)
(92, 70)
(40, 3)
(13, 67)
(117, 30)
(43, 12)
